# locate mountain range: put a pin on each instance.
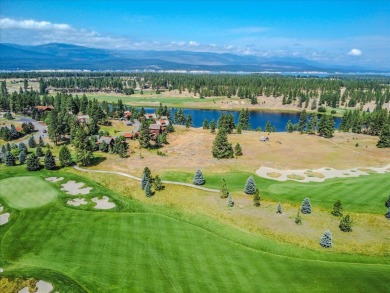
(57, 56)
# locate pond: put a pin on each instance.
(256, 118)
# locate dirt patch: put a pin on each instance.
(54, 179)
(103, 203)
(77, 202)
(73, 188)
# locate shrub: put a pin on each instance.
(230, 200)
(326, 239)
(306, 206)
(298, 219)
(250, 186)
(256, 198)
(224, 192)
(387, 203)
(198, 178)
(322, 109)
(387, 215)
(237, 150)
(337, 209)
(346, 224)
(279, 208)
(157, 183)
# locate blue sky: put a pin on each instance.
(332, 32)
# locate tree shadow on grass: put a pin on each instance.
(97, 160)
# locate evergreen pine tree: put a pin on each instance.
(39, 152)
(3, 149)
(49, 161)
(144, 136)
(289, 126)
(198, 178)
(22, 147)
(302, 121)
(256, 198)
(384, 138)
(146, 177)
(337, 209)
(312, 125)
(268, 127)
(22, 157)
(326, 239)
(205, 124)
(230, 200)
(239, 129)
(279, 208)
(13, 132)
(212, 126)
(223, 192)
(346, 224)
(9, 159)
(250, 186)
(221, 147)
(387, 203)
(306, 206)
(188, 121)
(65, 156)
(33, 162)
(148, 189)
(326, 126)
(31, 142)
(157, 183)
(41, 143)
(237, 150)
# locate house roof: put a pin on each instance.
(44, 108)
(150, 116)
(128, 135)
(106, 139)
(154, 127)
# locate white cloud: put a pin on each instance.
(30, 24)
(355, 52)
(193, 44)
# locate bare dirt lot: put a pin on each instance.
(190, 149)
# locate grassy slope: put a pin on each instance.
(145, 250)
(359, 194)
(26, 192)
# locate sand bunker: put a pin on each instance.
(103, 204)
(42, 287)
(76, 202)
(54, 179)
(318, 175)
(73, 188)
(4, 218)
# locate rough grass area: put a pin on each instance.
(26, 192)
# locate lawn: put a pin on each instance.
(358, 194)
(146, 247)
(26, 192)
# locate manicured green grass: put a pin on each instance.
(150, 252)
(26, 192)
(140, 248)
(171, 101)
(357, 194)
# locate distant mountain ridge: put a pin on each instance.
(57, 56)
